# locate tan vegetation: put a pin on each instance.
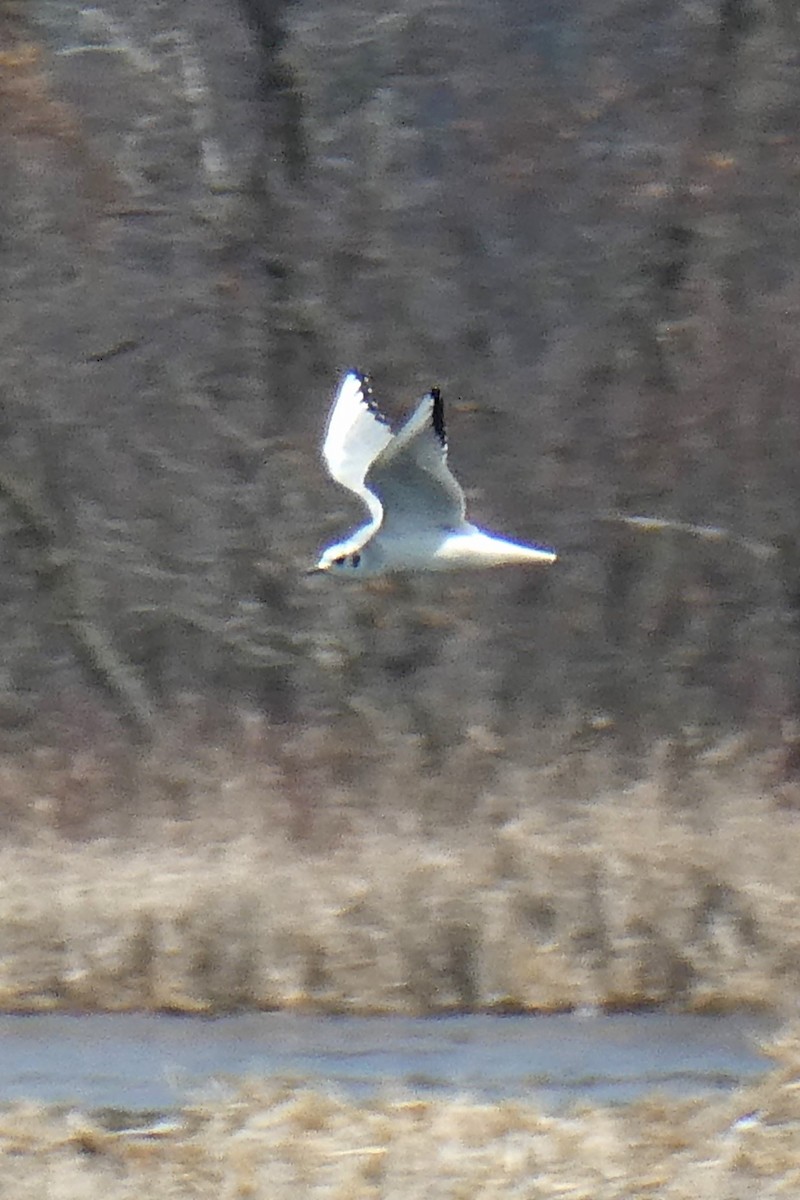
(273, 1141)
(207, 883)
(583, 225)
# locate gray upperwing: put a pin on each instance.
(411, 478)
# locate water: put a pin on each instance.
(153, 1062)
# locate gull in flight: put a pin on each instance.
(415, 503)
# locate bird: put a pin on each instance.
(417, 510)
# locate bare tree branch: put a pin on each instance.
(63, 579)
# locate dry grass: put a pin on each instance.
(217, 885)
(276, 1142)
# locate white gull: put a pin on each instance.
(416, 505)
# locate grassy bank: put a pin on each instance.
(277, 1141)
(202, 889)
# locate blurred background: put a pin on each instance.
(225, 785)
(578, 218)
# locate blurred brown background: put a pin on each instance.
(579, 218)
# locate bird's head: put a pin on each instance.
(343, 560)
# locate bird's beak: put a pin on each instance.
(315, 571)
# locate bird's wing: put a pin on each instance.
(357, 432)
(410, 476)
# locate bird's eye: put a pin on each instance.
(338, 561)
(356, 559)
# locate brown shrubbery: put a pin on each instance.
(251, 875)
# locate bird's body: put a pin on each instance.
(417, 507)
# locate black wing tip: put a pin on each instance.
(437, 415)
(368, 396)
(372, 405)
